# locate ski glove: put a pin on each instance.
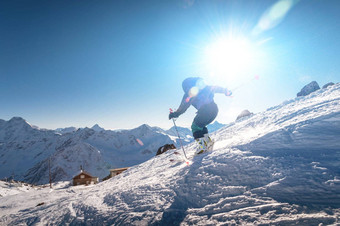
(228, 92)
(173, 115)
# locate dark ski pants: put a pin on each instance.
(205, 115)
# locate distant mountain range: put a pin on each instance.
(215, 126)
(26, 150)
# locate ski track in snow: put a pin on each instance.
(278, 167)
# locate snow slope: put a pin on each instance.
(13, 188)
(278, 167)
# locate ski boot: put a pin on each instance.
(210, 142)
(202, 145)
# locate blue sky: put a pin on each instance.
(121, 63)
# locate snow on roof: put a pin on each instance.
(118, 169)
(83, 172)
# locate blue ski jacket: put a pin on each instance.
(203, 97)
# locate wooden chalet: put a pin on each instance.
(115, 172)
(84, 178)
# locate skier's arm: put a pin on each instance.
(185, 104)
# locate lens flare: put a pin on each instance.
(274, 15)
(193, 91)
(139, 142)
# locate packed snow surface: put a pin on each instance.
(278, 167)
(13, 188)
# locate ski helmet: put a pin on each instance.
(191, 82)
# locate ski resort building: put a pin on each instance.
(115, 172)
(84, 178)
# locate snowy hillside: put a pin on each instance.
(13, 188)
(25, 150)
(278, 167)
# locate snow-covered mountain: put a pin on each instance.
(278, 167)
(66, 130)
(215, 126)
(97, 128)
(23, 146)
(184, 133)
(25, 151)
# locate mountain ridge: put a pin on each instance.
(25, 149)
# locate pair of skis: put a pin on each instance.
(188, 161)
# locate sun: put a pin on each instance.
(228, 57)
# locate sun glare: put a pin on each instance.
(228, 57)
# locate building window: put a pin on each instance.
(82, 176)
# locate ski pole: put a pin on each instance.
(180, 140)
(256, 77)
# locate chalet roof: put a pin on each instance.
(83, 172)
(118, 169)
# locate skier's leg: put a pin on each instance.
(205, 130)
(213, 113)
(205, 115)
(197, 131)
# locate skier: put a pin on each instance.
(201, 96)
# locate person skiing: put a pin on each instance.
(201, 96)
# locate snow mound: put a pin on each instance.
(279, 167)
(243, 114)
